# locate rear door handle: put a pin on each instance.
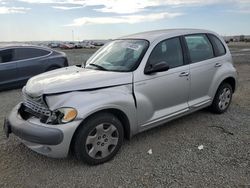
(184, 74)
(218, 65)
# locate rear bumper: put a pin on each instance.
(50, 140)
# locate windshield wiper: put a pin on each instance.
(98, 66)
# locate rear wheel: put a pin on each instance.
(99, 139)
(222, 98)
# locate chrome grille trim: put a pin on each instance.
(36, 104)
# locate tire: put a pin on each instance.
(98, 139)
(222, 99)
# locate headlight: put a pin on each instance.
(62, 115)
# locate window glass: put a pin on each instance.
(169, 51)
(27, 53)
(118, 55)
(220, 49)
(6, 55)
(199, 47)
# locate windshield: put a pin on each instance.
(118, 55)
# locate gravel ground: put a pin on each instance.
(176, 160)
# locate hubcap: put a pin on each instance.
(224, 98)
(102, 140)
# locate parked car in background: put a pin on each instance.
(54, 45)
(89, 46)
(19, 63)
(67, 46)
(130, 85)
(98, 43)
(78, 45)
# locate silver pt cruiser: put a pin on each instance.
(130, 85)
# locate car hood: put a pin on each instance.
(74, 79)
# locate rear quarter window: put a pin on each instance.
(219, 48)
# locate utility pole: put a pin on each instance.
(73, 35)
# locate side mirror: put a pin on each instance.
(158, 67)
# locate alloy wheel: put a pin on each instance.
(102, 141)
(224, 98)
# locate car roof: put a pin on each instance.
(7, 44)
(20, 45)
(165, 33)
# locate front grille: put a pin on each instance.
(36, 105)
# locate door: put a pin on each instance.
(203, 67)
(163, 95)
(8, 68)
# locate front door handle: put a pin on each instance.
(184, 74)
(218, 65)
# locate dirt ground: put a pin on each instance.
(175, 161)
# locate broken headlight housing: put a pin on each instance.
(62, 115)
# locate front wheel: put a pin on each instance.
(222, 98)
(98, 139)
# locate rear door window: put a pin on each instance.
(28, 53)
(199, 47)
(6, 55)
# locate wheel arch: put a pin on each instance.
(231, 81)
(223, 78)
(116, 112)
(216, 100)
(122, 117)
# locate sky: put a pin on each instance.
(38, 20)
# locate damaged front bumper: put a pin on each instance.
(49, 140)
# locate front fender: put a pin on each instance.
(90, 102)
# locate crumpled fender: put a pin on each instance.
(89, 102)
